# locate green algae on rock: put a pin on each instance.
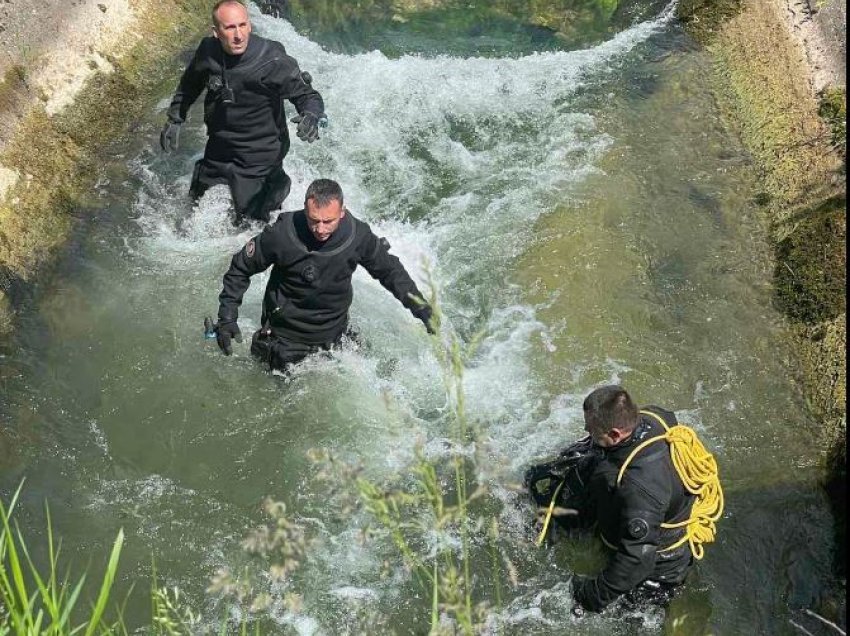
(798, 140)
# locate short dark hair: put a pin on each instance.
(220, 4)
(323, 191)
(610, 407)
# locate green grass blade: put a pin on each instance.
(36, 628)
(106, 586)
(19, 586)
(7, 514)
(46, 596)
(65, 618)
(53, 556)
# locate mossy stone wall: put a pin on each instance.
(57, 157)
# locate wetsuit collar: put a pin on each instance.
(638, 435)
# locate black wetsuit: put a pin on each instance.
(309, 292)
(629, 518)
(248, 137)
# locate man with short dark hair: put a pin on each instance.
(246, 78)
(313, 254)
(630, 493)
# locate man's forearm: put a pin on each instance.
(190, 87)
(309, 103)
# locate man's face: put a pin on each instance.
(232, 28)
(603, 440)
(323, 222)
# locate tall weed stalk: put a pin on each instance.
(412, 515)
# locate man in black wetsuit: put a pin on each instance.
(246, 78)
(313, 254)
(647, 562)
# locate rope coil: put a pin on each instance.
(697, 469)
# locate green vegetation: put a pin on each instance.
(704, 18)
(52, 604)
(429, 518)
(50, 608)
(798, 142)
(833, 109)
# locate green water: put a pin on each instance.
(589, 208)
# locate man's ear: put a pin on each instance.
(214, 32)
(616, 435)
(344, 210)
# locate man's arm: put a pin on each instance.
(387, 269)
(256, 256)
(290, 83)
(634, 560)
(191, 85)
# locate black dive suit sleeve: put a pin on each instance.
(286, 78)
(388, 270)
(256, 256)
(634, 559)
(191, 85)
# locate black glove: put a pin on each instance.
(169, 136)
(224, 331)
(308, 126)
(424, 313)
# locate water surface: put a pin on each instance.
(588, 208)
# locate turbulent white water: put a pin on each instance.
(452, 159)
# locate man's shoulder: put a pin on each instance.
(284, 220)
(361, 225)
(267, 46)
(208, 46)
(668, 416)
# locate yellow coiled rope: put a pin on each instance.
(697, 469)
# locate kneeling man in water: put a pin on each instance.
(647, 485)
(313, 254)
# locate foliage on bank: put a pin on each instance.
(58, 156)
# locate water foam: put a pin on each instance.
(452, 159)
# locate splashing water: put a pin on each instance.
(459, 162)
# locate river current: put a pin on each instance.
(588, 209)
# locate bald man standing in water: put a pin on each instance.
(246, 78)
